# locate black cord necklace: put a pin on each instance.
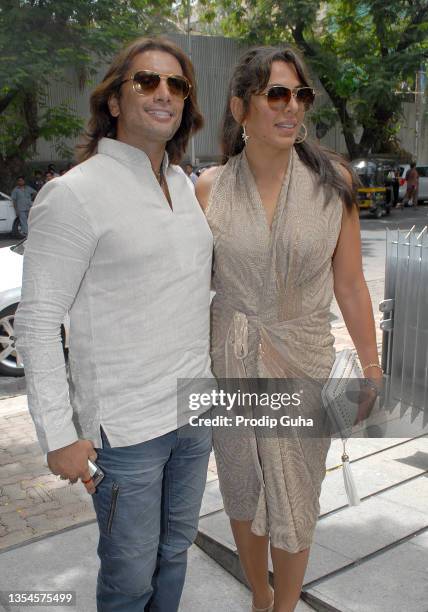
(159, 175)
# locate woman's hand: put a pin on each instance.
(371, 387)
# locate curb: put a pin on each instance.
(228, 559)
(11, 387)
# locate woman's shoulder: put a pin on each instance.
(205, 183)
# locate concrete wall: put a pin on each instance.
(214, 58)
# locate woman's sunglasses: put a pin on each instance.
(278, 96)
(145, 82)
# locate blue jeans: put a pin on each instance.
(147, 508)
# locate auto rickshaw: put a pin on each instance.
(376, 192)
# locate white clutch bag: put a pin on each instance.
(339, 397)
(339, 394)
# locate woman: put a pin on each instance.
(286, 234)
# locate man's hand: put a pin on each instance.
(71, 462)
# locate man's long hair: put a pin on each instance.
(102, 123)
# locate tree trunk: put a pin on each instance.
(9, 170)
(14, 165)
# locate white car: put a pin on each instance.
(423, 182)
(9, 222)
(11, 261)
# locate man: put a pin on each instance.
(188, 169)
(412, 178)
(49, 176)
(122, 244)
(22, 198)
(38, 181)
(52, 170)
(396, 185)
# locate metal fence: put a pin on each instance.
(405, 321)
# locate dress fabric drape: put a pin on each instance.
(270, 318)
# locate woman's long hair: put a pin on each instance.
(101, 122)
(251, 76)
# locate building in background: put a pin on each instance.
(214, 58)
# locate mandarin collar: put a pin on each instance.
(128, 154)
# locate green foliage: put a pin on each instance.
(361, 50)
(43, 42)
(59, 121)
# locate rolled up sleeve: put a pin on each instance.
(57, 256)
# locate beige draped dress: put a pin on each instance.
(270, 318)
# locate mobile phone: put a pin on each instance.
(96, 472)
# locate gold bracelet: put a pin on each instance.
(372, 365)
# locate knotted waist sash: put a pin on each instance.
(279, 352)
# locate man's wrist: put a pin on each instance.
(60, 439)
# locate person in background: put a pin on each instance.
(49, 175)
(68, 167)
(38, 181)
(389, 184)
(412, 178)
(53, 170)
(396, 185)
(22, 198)
(188, 169)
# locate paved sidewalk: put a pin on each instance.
(368, 558)
(34, 502)
(68, 562)
(11, 387)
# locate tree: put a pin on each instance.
(47, 41)
(361, 50)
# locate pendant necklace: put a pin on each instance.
(160, 179)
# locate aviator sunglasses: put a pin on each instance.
(278, 96)
(145, 82)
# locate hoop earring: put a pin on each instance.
(300, 139)
(244, 135)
